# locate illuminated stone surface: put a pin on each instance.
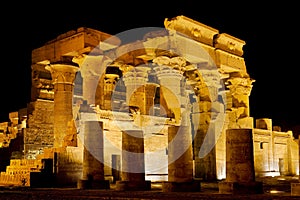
(187, 75)
(180, 158)
(93, 167)
(63, 77)
(240, 176)
(133, 162)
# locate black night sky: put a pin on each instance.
(269, 30)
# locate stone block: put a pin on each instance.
(229, 44)
(295, 189)
(229, 62)
(264, 123)
(191, 28)
(72, 41)
(246, 122)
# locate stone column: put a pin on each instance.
(180, 158)
(207, 119)
(295, 187)
(170, 88)
(93, 155)
(240, 175)
(150, 90)
(63, 76)
(110, 80)
(133, 162)
(240, 89)
(91, 68)
(135, 81)
(89, 86)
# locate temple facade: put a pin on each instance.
(132, 112)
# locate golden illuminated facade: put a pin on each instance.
(160, 106)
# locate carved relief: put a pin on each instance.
(62, 73)
(240, 86)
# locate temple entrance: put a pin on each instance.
(169, 97)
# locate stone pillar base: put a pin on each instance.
(133, 185)
(295, 189)
(87, 184)
(254, 187)
(192, 186)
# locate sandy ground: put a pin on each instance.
(274, 188)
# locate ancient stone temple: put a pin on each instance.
(105, 109)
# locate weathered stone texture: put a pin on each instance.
(240, 174)
(71, 43)
(39, 132)
(186, 75)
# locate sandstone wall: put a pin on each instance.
(39, 132)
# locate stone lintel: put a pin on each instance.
(154, 46)
(229, 44)
(228, 69)
(73, 41)
(192, 50)
(84, 51)
(228, 62)
(259, 131)
(91, 65)
(282, 135)
(191, 28)
(128, 53)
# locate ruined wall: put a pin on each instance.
(39, 132)
(11, 140)
(275, 152)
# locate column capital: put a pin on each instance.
(91, 65)
(111, 78)
(211, 77)
(138, 76)
(168, 72)
(62, 73)
(240, 85)
(169, 68)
